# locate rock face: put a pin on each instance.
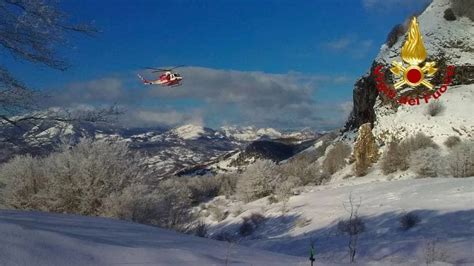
(364, 96)
(365, 150)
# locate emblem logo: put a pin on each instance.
(413, 53)
(414, 72)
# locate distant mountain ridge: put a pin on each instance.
(167, 151)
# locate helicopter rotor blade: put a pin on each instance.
(152, 68)
(176, 67)
(162, 69)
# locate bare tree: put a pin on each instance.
(353, 226)
(33, 31)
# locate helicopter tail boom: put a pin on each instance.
(145, 81)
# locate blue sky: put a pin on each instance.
(258, 52)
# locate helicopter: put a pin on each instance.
(167, 78)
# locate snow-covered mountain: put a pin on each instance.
(250, 133)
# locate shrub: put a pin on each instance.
(135, 203)
(449, 15)
(336, 157)
(228, 184)
(426, 162)
(434, 108)
(452, 141)
(272, 199)
(307, 173)
(167, 206)
(409, 220)
(417, 142)
(319, 176)
(392, 159)
(237, 211)
(202, 187)
(250, 224)
(217, 213)
(25, 183)
(461, 159)
(246, 229)
(412, 144)
(257, 181)
(200, 229)
(351, 227)
(174, 205)
(285, 189)
(302, 166)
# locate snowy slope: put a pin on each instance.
(456, 119)
(34, 238)
(445, 206)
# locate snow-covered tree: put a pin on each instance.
(74, 180)
(393, 159)
(427, 162)
(257, 181)
(461, 159)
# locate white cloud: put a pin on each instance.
(152, 117)
(352, 45)
(339, 44)
(216, 96)
(108, 89)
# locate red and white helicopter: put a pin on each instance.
(167, 78)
